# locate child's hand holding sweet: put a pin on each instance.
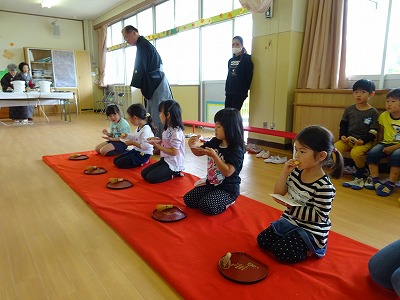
(154, 141)
(290, 165)
(193, 141)
(210, 152)
(105, 131)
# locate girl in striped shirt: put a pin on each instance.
(303, 230)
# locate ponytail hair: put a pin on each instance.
(175, 112)
(240, 39)
(140, 112)
(319, 139)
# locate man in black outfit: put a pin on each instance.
(148, 74)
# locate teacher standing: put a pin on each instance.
(240, 74)
(148, 75)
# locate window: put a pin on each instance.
(115, 72)
(214, 8)
(243, 26)
(216, 50)
(115, 67)
(188, 62)
(181, 52)
(186, 11)
(392, 65)
(145, 22)
(167, 47)
(165, 16)
(116, 35)
(366, 31)
(130, 56)
(131, 21)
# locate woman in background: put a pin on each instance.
(22, 112)
(240, 74)
(8, 78)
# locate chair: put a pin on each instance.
(102, 104)
(120, 104)
(75, 101)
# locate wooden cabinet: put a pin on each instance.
(85, 89)
(40, 62)
(46, 65)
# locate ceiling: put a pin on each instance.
(67, 9)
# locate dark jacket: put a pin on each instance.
(6, 81)
(147, 74)
(240, 74)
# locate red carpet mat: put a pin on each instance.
(186, 253)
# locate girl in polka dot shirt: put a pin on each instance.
(225, 153)
(303, 230)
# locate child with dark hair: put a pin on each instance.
(358, 130)
(303, 230)
(172, 145)
(118, 126)
(142, 150)
(389, 146)
(225, 154)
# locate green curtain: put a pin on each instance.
(2, 73)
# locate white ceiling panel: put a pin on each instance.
(68, 9)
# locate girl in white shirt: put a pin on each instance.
(142, 150)
(172, 145)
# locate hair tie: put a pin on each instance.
(147, 115)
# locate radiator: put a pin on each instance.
(127, 99)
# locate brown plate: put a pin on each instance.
(169, 215)
(120, 185)
(97, 171)
(80, 157)
(244, 269)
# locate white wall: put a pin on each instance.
(19, 30)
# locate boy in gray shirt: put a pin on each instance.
(358, 130)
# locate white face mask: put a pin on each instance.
(236, 50)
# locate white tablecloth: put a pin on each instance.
(34, 98)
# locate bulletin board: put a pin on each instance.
(64, 69)
(213, 98)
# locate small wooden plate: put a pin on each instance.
(80, 157)
(97, 171)
(244, 269)
(173, 214)
(120, 185)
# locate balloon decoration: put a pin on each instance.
(256, 6)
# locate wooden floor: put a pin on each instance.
(52, 246)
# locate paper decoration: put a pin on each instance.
(7, 54)
(256, 6)
(202, 22)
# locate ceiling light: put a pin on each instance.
(48, 3)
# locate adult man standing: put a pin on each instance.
(148, 74)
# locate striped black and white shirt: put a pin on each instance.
(316, 198)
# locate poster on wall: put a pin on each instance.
(64, 69)
(212, 107)
(213, 98)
